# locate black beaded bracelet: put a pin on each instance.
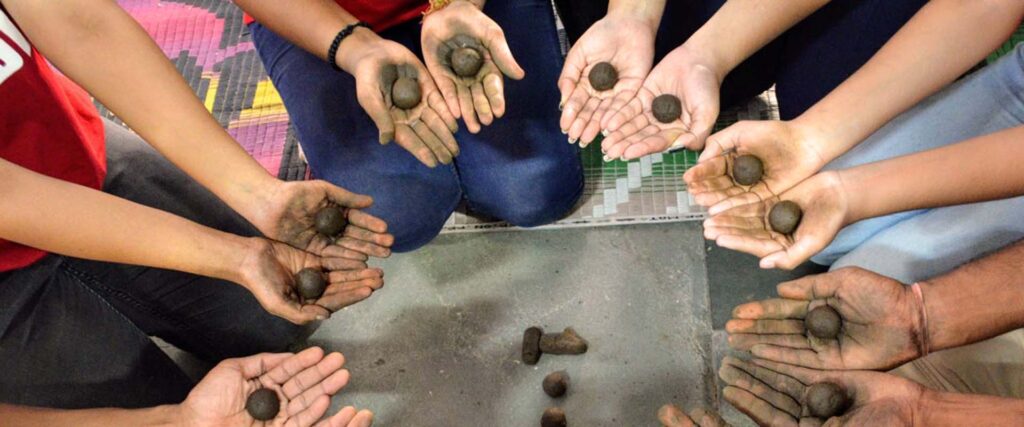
(345, 32)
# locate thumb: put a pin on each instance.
(803, 249)
(502, 55)
(720, 143)
(347, 198)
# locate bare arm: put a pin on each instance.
(649, 10)
(941, 42)
(23, 416)
(937, 409)
(139, 84)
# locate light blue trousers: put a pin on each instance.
(916, 245)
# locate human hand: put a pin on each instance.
(772, 393)
(268, 271)
(304, 382)
(425, 130)
(881, 323)
(624, 41)
(745, 228)
(633, 132)
(288, 215)
(481, 97)
(672, 416)
(783, 149)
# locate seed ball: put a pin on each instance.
(785, 217)
(747, 169)
(406, 93)
(826, 400)
(823, 322)
(667, 108)
(553, 417)
(531, 345)
(556, 383)
(330, 221)
(311, 283)
(263, 404)
(466, 61)
(603, 76)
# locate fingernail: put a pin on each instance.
(584, 144)
(321, 317)
(607, 159)
(623, 158)
(573, 140)
(604, 132)
(564, 132)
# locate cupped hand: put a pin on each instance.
(783, 148)
(881, 323)
(772, 394)
(288, 215)
(425, 130)
(480, 98)
(672, 416)
(268, 271)
(745, 228)
(627, 43)
(633, 132)
(304, 383)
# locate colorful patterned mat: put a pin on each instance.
(212, 48)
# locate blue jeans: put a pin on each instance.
(519, 169)
(913, 245)
(75, 333)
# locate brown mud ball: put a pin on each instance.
(263, 404)
(531, 345)
(330, 221)
(466, 61)
(556, 383)
(553, 417)
(785, 217)
(666, 108)
(747, 169)
(567, 342)
(406, 94)
(603, 76)
(823, 322)
(311, 283)
(825, 400)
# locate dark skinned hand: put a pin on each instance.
(881, 323)
(304, 383)
(772, 393)
(481, 98)
(745, 228)
(672, 416)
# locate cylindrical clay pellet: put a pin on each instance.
(263, 404)
(531, 345)
(330, 221)
(310, 283)
(747, 169)
(825, 400)
(785, 217)
(567, 342)
(823, 322)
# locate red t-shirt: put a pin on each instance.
(47, 125)
(381, 15)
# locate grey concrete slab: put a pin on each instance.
(440, 344)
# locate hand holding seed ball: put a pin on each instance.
(603, 71)
(773, 393)
(273, 390)
(804, 326)
(787, 230)
(467, 55)
(675, 107)
(310, 283)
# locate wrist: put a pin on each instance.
(166, 415)
(704, 55)
(354, 48)
(642, 11)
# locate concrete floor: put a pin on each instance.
(440, 344)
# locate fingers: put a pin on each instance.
(626, 114)
(335, 257)
(345, 198)
(411, 142)
(293, 311)
(311, 414)
(751, 245)
(375, 245)
(777, 308)
(803, 249)
(432, 142)
(494, 90)
(732, 373)
(712, 168)
(763, 413)
(440, 129)
(572, 107)
(571, 74)
(703, 121)
(465, 97)
(818, 286)
(481, 104)
(671, 416)
(771, 326)
(450, 93)
(744, 342)
(794, 356)
(366, 221)
(293, 365)
(350, 290)
(310, 378)
(593, 127)
(502, 55)
(254, 366)
(740, 199)
(803, 375)
(650, 142)
(776, 380)
(372, 102)
(720, 143)
(706, 418)
(619, 101)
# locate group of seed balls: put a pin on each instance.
(785, 216)
(536, 343)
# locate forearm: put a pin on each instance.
(65, 218)
(938, 409)
(941, 42)
(23, 416)
(741, 27)
(649, 11)
(101, 48)
(977, 301)
(979, 169)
